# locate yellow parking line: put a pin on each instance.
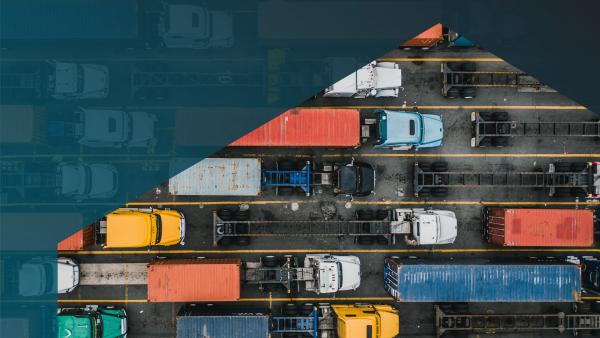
(385, 202)
(590, 297)
(258, 299)
(92, 301)
(455, 107)
(443, 59)
(368, 251)
(555, 155)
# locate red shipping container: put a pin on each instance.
(306, 127)
(78, 241)
(540, 227)
(194, 280)
(428, 38)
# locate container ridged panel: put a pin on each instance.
(223, 326)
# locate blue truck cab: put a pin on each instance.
(404, 130)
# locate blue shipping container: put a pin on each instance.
(223, 326)
(417, 282)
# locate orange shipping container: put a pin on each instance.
(428, 38)
(305, 127)
(80, 240)
(540, 227)
(194, 280)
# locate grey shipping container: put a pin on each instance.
(250, 325)
(416, 281)
(217, 177)
(68, 19)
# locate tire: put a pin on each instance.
(243, 240)
(271, 287)
(225, 214)
(453, 93)
(225, 241)
(269, 261)
(364, 215)
(486, 142)
(562, 192)
(468, 93)
(500, 116)
(425, 166)
(285, 191)
(500, 142)
(425, 192)
(486, 116)
(306, 309)
(577, 167)
(365, 240)
(562, 167)
(290, 309)
(468, 67)
(578, 192)
(440, 192)
(381, 214)
(439, 167)
(242, 215)
(584, 307)
(381, 240)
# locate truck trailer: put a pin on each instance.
(250, 177)
(414, 226)
(461, 79)
(208, 280)
(495, 129)
(53, 80)
(539, 227)
(415, 280)
(562, 179)
(132, 23)
(323, 320)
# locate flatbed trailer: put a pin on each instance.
(579, 179)
(491, 323)
(495, 128)
(460, 79)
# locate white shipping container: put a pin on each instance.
(219, 177)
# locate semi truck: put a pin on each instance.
(562, 179)
(92, 321)
(250, 177)
(375, 79)
(132, 23)
(461, 79)
(309, 127)
(495, 129)
(481, 281)
(207, 280)
(539, 227)
(73, 180)
(427, 39)
(323, 320)
(414, 226)
(450, 322)
(53, 80)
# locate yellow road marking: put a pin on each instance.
(557, 155)
(257, 299)
(443, 59)
(373, 251)
(454, 107)
(386, 202)
(590, 297)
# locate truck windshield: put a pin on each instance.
(158, 228)
(87, 174)
(340, 275)
(412, 127)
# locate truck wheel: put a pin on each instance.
(577, 167)
(242, 215)
(381, 214)
(364, 215)
(290, 309)
(306, 309)
(243, 241)
(269, 261)
(440, 166)
(381, 240)
(562, 167)
(225, 214)
(453, 93)
(500, 116)
(468, 67)
(425, 166)
(425, 192)
(456, 66)
(365, 240)
(285, 191)
(440, 192)
(578, 192)
(486, 116)
(562, 192)
(468, 93)
(225, 241)
(486, 142)
(500, 142)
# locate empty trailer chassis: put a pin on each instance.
(506, 323)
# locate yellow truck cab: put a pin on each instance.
(366, 321)
(141, 227)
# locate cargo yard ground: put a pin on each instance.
(422, 85)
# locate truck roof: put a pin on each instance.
(22, 124)
(128, 230)
(243, 325)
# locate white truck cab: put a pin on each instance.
(425, 227)
(73, 81)
(196, 27)
(333, 273)
(38, 277)
(87, 181)
(377, 79)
